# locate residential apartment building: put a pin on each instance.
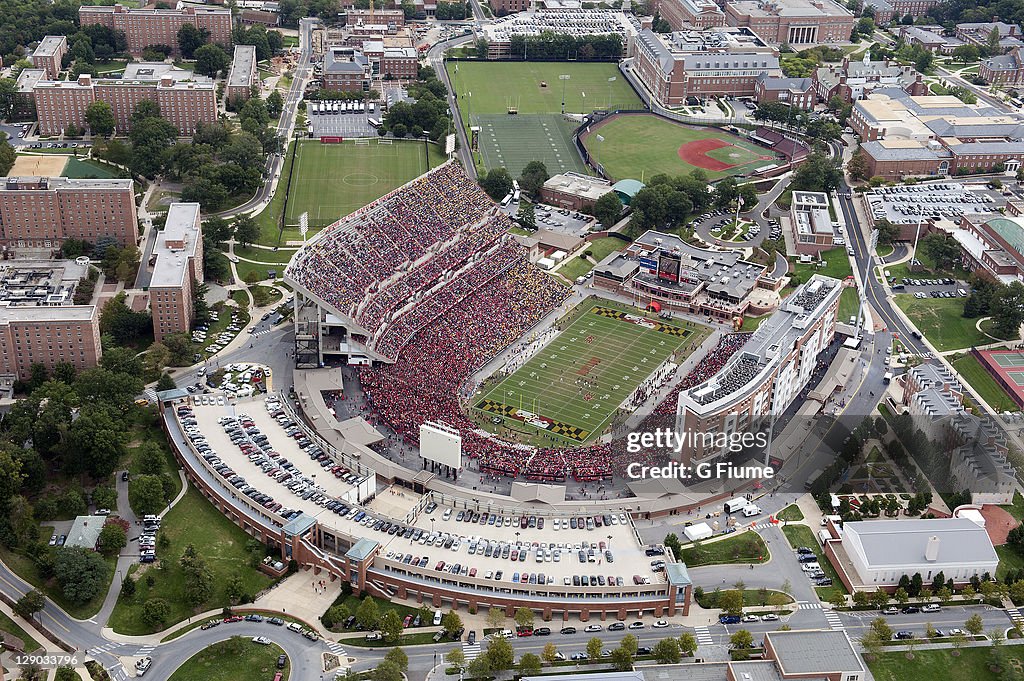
(799, 23)
(767, 374)
(687, 14)
(389, 18)
(242, 74)
(797, 92)
(853, 80)
(503, 7)
(185, 99)
(701, 64)
(1003, 69)
(177, 270)
(147, 27)
(41, 212)
(48, 335)
(896, 10)
(49, 54)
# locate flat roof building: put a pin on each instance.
(819, 654)
(574, 22)
(799, 23)
(853, 80)
(147, 27)
(41, 212)
(177, 271)
(811, 222)
(573, 190)
(48, 335)
(49, 54)
(242, 75)
(685, 14)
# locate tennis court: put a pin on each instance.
(513, 141)
(1007, 368)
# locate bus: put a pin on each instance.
(515, 195)
(374, 122)
(505, 201)
(515, 185)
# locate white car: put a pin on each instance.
(660, 624)
(262, 640)
(143, 665)
(751, 618)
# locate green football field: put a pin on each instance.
(635, 146)
(569, 391)
(332, 180)
(513, 141)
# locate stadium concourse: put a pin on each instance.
(429, 274)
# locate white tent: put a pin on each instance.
(698, 532)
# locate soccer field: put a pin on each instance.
(644, 144)
(570, 390)
(332, 180)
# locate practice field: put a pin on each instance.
(513, 141)
(635, 144)
(570, 390)
(38, 166)
(332, 180)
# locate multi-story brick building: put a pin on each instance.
(931, 38)
(503, 7)
(685, 14)
(895, 10)
(399, 63)
(346, 69)
(147, 27)
(701, 64)
(795, 22)
(978, 34)
(184, 98)
(853, 80)
(797, 92)
(391, 19)
(177, 270)
(242, 75)
(40, 212)
(48, 335)
(1003, 69)
(811, 223)
(49, 54)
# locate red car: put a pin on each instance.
(233, 618)
(525, 632)
(407, 621)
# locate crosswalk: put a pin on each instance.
(763, 525)
(833, 619)
(471, 651)
(106, 647)
(803, 605)
(703, 635)
(336, 648)
(145, 651)
(1015, 617)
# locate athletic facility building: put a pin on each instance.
(701, 64)
(800, 23)
(146, 27)
(573, 22)
(768, 373)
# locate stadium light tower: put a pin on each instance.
(564, 77)
(610, 81)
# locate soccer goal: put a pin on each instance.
(381, 140)
(362, 142)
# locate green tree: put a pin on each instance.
(479, 667)
(731, 602)
(607, 209)
(594, 647)
(495, 617)
(500, 655)
(398, 656)
(668, 651)
(1007, 308)
(146, 494)
(524, 618)
(880, 627)
(974, 625)
(82, 574)
(165, 382)
(872, 644)
(368, 614)
(550, 653)
(451, 622)
(28, 605)
(275, 104)
(901, 595)
(533, 177)
(66, 674)
(112, 539)
(687, 644)
(992, 44)
(456, 658)
(155, 612)
(497, 183)
(190, 39)
(390, 625)
(630, 643)
(621, 659)
(529, 665)
(247, 231)
(100, 118)
(527, 215)
(742, 639)
(211, 60)
(386, 671)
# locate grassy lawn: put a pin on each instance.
(145, 427)
(269, 216)
(980, 379)
(849, 303)
(1017, 508)
(333, 180)
(225, 315)
(9, 626)
(221, 544)
(970, 665)
(1009, 559)
(751, 598)
(236, 658)
(741, 547)
(837, 265)
(791, 513)
(599, 250)
(801, 535)
(88, 169)
(265, 295)
(638, 144)
(942, 321)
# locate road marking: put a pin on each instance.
(834, 622)
(471, 651)
(56, 622)
(1015, 617)
(808, 606)
(703, 635)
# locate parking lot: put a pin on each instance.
(944, 287)
(346, 125)
(556, 219)
(942, 200)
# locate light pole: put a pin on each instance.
(564, 77)
(872, 245)
(917, 234)
(597, 151)
(610, 81)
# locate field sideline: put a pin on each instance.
(332, 180)
(577, 382)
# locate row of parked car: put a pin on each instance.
(811, 567)
(525, 522)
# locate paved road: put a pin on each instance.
(436, 58)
